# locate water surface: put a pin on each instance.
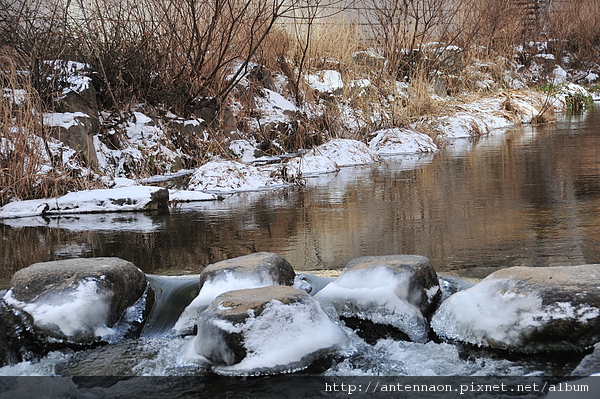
(529, 196)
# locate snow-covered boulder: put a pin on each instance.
(400, 291)
(345, 152)
(526, 309)
(223, 176)
(401, 141)
(78, 300)
(250, 271)
(268, 330)
(309, 165)
(124, 199)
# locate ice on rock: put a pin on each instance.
(80, 300)
(250, 271)
(224, 283)
(68, 314)
(378, 295)
(490, 311)
(268, 330)
(525, 309)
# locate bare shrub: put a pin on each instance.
(37, 31)
(576, 26)
(183, 54)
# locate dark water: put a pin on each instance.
(529, 196)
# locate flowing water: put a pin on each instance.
(529, 196)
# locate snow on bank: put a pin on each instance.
(310, 166)
(126, 199)
(401, 141)
(143, 145)
(329, 157)
(223, 176)
(346, 152)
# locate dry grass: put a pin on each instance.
(24, 153)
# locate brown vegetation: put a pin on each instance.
(189, 57)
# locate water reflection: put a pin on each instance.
(529, 196)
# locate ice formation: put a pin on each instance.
(378, 295)
(283, 338)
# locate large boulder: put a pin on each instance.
(77, 300)
(268, 330)
(249, 271)
(398, 291)
(526, 309)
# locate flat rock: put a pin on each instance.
(77, 299)
(526, 309)
(400, 291)
(268, 330)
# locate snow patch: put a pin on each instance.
(126, 199)
(64, 119)
(401, 141)
(345, 152)
(222, 176)
(309, 166)
(328, 81)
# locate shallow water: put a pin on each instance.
(528, 196)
